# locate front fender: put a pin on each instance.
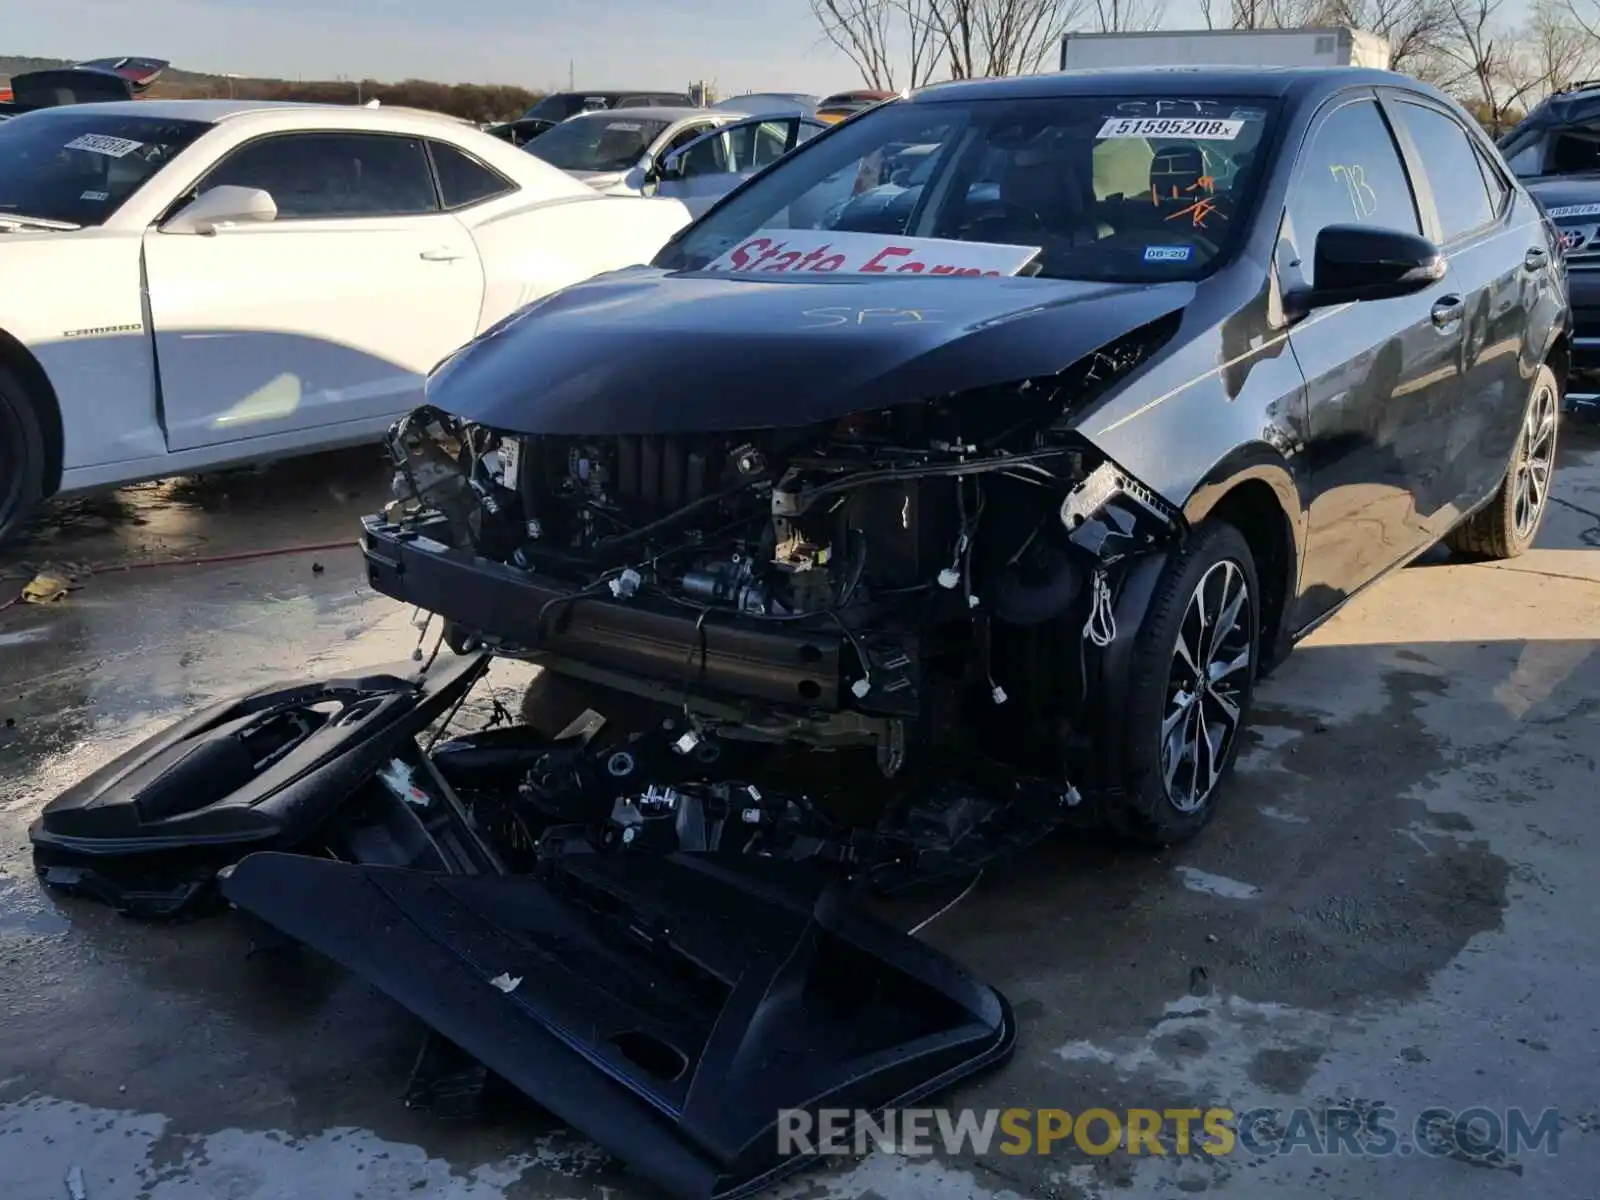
(1256, 488)
(1256, 462)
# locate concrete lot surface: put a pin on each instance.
(1398, 906)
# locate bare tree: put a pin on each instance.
(1560, 50)
(865, 32)
(924, 51)
(1120, 16)
(1585, 15)
(896, 43)
(980, 38)
(1416, 30)
(1489, 67)
(1267, 14)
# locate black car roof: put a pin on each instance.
(1581, 103)
(1193, 81)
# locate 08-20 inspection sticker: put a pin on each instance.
(1214, 129)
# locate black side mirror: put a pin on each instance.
(1360, 262)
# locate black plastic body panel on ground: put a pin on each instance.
(267, 770)
(667, 1007)
(776, 664)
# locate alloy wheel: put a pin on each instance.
(1531, 476)
(1206, 685)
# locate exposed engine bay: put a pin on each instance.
(935, 581)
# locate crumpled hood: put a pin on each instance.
(643, 351)
(1565, 192)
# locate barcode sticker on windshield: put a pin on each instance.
(1195, 128)
(102, 143)
(625, 126)
(1573, 210)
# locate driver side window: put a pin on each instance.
(710, 157)
(320, 175)
(683, 137)
(1351, 174)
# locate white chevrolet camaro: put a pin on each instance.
(192, 284)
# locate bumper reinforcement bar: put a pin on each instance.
(777, 665)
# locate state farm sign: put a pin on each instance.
(820, 252)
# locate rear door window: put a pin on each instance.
(1455, 176)
(1499, 189)
(755, 144)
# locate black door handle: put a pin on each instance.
(1535, 259)
(1447, 311)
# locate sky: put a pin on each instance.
(739, 45)
(757, 45)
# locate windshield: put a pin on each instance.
(1566, 149)
(756, 100)
(69, 164)
(600, 142)
(1107, 187)
(561, 105)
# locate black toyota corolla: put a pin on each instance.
(1149, 373)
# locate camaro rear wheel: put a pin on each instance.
(21, 455)
(1507, 526)
(1191, 680)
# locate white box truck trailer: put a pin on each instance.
(1332, 47)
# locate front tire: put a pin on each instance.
(1507, 526)
(1191, 680)
(21, 455)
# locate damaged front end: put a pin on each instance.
(933, 582)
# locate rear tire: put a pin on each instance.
(1191, 679)
(21, 455)
(1507, 526)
